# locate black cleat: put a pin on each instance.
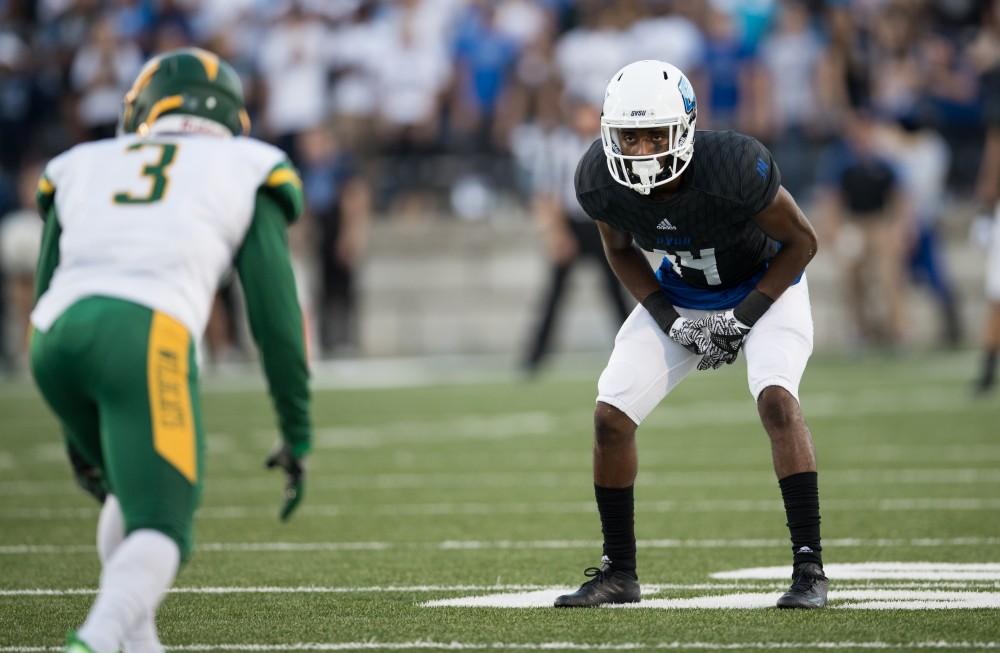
(808, 588)
(608, 586)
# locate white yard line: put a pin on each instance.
(880, 571)
(558, 646)
(647, 588)
(851, 599)
(695, 414)
(303, 589)
(477, 508)
(844, 599)
(720, 543)
(519, 479)
(463, 545)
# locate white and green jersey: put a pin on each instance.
(156, 220)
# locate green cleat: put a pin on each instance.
(76, 645)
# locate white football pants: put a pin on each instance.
(646, 364)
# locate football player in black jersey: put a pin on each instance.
(735, 246)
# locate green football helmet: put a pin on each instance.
(188, 81)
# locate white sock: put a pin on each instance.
(110, 533)
(133, 582)
(110, 529)
(143, 639)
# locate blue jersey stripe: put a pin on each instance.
(684, 295)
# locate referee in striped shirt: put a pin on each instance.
(569, 234)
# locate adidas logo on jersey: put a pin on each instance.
(665, 224)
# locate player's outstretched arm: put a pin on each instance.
(275, 318)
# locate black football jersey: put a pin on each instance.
(705, 228)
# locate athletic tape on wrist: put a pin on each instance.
(658, 305)
(752, 308)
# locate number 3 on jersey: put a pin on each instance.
(703, 261)
(157, 173)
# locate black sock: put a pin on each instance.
(988, 376)
(801, 495)
(617, 508)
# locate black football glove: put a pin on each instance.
(88, 477)
(295, 472)
(689, 334)
(726, 334)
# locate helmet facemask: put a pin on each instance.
(643, 173)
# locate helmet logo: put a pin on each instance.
(638, 113)
(687, 94)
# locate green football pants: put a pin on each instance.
(123, 381)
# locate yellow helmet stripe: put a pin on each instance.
(161, 106)
(245, 122)
(209, 61)
(140, 82)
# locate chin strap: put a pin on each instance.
(646, 170)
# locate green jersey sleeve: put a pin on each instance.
(265, 271)
(285, 187)
(48, 255)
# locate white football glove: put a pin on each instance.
(689, 334)
(725, 334)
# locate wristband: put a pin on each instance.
(752, 307)
(663, 312)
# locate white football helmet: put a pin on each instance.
(643, 95)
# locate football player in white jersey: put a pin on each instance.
(139, 230)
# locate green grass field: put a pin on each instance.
(483, 488)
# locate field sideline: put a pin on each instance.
(444, 504)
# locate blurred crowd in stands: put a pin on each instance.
(407, 108)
